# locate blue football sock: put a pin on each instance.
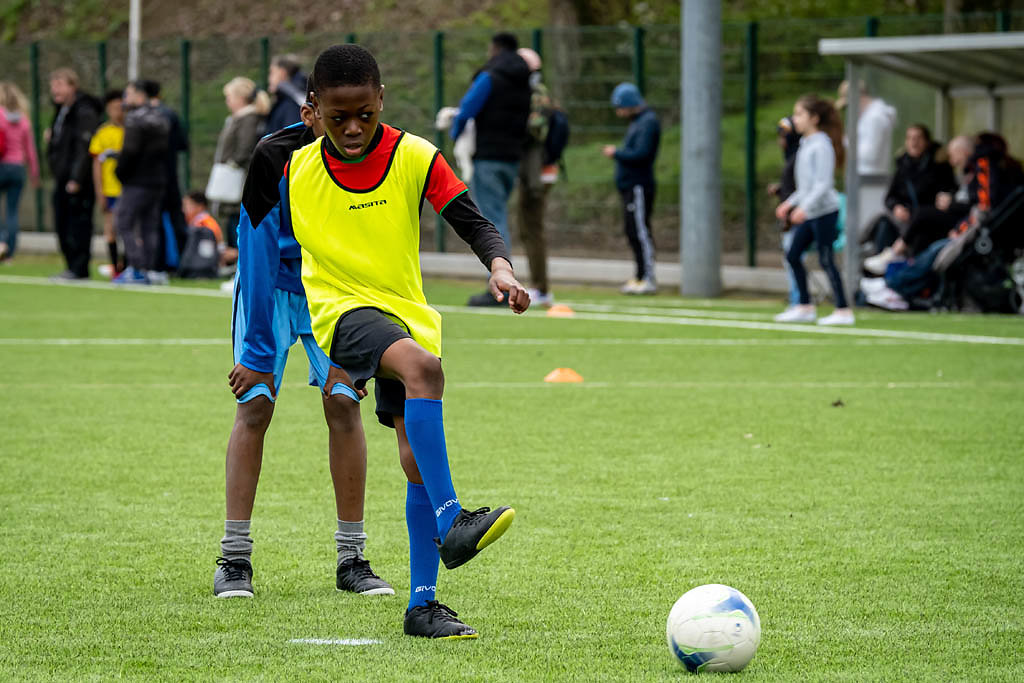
(425, 430)
(423, 557)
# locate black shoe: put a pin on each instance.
(483, 299)
(233, 579)
(355, 576)
(435, 620)
(66, 276)
(471, 532)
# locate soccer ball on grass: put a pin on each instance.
(713, 628)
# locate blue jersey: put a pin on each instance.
(269, 258)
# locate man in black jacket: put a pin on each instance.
(177, 142)
(76, 119)
(499, 102)
(142, 170)
(287, 83)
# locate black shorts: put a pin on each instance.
(361, 337)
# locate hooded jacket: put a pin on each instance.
(71, 132)
(918, 180)
(634, 159)
(142, 162)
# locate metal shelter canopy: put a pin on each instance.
(987, 65)
(994, 61)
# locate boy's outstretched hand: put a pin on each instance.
(503, 284)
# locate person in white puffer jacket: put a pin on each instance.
(876, 121)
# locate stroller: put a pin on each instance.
(984, 270)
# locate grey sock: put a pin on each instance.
(350, 540)
(237, 543)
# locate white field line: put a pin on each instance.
(853, 331)
(666, 310)
(483, 341)
(336, 641)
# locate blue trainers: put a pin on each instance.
(130, 276)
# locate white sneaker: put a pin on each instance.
(647, 286)
(796, 314)
(630, 286)
(539, 299)
(887, 299)
(157, 277)
(838, 318)
(879, 262)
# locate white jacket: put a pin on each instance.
(874, 138)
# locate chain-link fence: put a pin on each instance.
(765, 68)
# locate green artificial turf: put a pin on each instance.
(867, 494)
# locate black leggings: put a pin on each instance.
(823, 231)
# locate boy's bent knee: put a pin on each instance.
(341, 413)
(255, 415)
(425, 378)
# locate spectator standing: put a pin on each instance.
(538, 171)
(18, 162)
(105, 149)
(142, 170)
(177, 143)
(287, 84)
(248, 107)
(76, 118)
(813, 208)
(499, 102)
(634, 178)
(789, 142)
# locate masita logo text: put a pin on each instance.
(367, 205)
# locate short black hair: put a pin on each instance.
(505, 41)
(112, 95)
(199, 197)
(137, 84)
(309, 89)
(151, 88)
(347, 64)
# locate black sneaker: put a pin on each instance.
(471, 532)
(435, 620)
(233, 579)
(484, 299)
(355, 576)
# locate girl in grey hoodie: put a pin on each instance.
(813, 209)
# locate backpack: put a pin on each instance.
(557, 138)
(200, 257)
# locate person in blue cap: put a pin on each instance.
(634, 178)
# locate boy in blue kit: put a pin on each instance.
(353, 202)
(269, 315)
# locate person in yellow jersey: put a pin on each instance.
(353, 201)
(104, 147)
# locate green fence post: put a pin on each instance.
(101, 56)
(639, 75)
(537, 38)
(37, 128)
(186, 107)
(751, 160)
(871, 27)
(439, 231)
(350, 37)
(1003, 20)
(264, 61)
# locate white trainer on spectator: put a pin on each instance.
(157, 277)
(879, 262)
(539, 299)
(888, 299)
(639, 287)
(838, 318)
(869, 285)
(797, 314)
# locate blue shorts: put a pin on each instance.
(291, 324)
(109, 202)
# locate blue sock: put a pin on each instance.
(423, 557)
(425, 429)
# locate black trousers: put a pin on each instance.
(637, 203)
(72, 216)
(139, 226)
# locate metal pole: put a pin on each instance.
(186, 106)
(134, 30)
(350, 37)
(639, 73)
(1003, 20)
(700, 187)
(751, 185)
(264, 62)
(538, 41)
(439, 230)
(871, 27)
(37, 127)
(851, 254)
(101, 56)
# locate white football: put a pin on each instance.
(713, 628)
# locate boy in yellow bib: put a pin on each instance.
(353, 200)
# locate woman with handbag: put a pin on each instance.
(243, 128)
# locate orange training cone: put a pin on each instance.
(560, 311)
(563, 375)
